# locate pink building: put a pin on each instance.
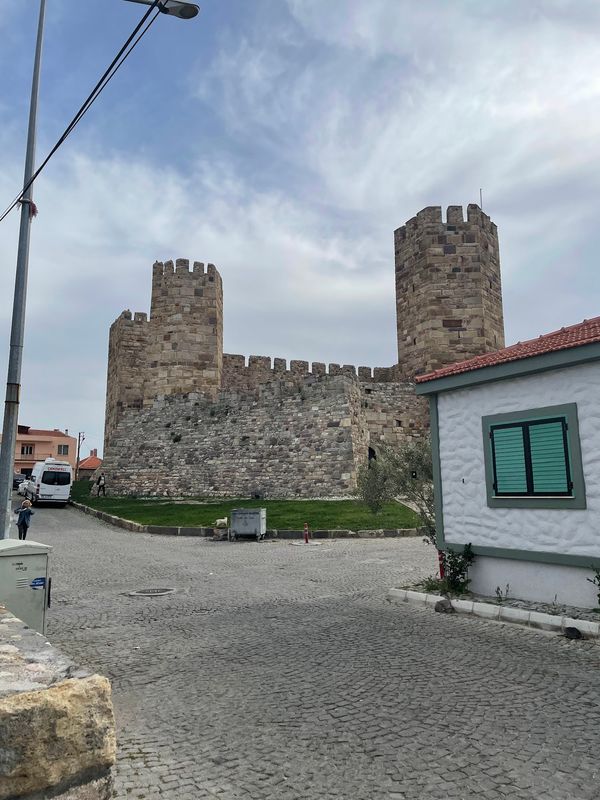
(36, 445)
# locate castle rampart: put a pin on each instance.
(259, 370)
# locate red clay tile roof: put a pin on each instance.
(585, 332)
(90, 462)
(38, 432)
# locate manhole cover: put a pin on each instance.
(305, 544)
(151, 592)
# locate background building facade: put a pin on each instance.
(34, 445)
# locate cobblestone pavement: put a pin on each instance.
(278, 671)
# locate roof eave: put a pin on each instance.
(568, 357)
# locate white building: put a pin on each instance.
(516, 452)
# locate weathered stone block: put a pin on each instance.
(56, 736)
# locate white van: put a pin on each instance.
(50, 482)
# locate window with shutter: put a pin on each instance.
(533, 459)
(509, 460)
(550, 471)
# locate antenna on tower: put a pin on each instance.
(481, 199)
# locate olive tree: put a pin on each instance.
(373, 485)
(404, 472)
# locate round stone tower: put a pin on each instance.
(448, 289)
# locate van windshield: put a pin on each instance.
(52, 478)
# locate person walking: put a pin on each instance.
(101, 485)
(25, 512)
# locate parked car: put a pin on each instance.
(18, 479)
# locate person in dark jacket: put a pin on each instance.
(25, 513)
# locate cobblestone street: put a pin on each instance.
(280, 671)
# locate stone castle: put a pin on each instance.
(184, 418)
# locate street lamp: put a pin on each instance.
(176, 8)
(15, 359)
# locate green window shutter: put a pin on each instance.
(549, 459)
(509, 460)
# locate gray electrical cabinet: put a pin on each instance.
(248, 522)
(24, 581)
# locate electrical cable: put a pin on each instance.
(104, 81)
(104, 85)
(109, 73)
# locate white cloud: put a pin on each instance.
(335, 125)
(291, 288)
(391, 105)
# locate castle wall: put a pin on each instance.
(448, 289)
(394, 415)
(291, 441)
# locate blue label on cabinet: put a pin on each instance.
(38, 583)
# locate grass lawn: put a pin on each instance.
(281, 514)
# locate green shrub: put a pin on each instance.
(456, 573)
(373, 485)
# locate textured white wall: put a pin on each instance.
(467, 517)
(531, 580)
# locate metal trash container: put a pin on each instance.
(24, 581)
(248, 522)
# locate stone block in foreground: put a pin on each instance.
(57, 734)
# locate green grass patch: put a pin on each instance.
(281, 514)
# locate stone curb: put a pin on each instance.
(118, 522)
(499, 613)
(392, 533)
(165, 530)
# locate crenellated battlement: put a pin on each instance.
(181, 267)
(137, 318)
(250, 373)
(179, 290)
(429, 220)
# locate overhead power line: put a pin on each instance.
(133, 40)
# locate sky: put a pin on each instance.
(284, 141)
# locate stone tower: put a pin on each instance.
(177, 351)
(448, 290)
(185, 352)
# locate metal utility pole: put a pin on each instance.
(13, 381)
